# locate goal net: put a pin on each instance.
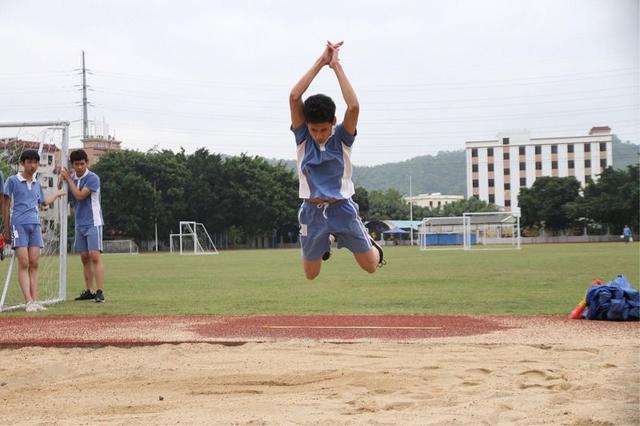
(443, 233)
(492, 230)
(119, 247)
(193, 238)
(51, 140)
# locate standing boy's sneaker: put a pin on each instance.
(86, 295)
(99, 296)
(31, 307)
(381, 261)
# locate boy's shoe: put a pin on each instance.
(31, 307)
(40, 307)
(381, 261)
(327, 254)
(86, 295)
(99, 296)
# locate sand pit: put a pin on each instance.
(533, 371)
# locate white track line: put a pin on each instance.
(364, 327)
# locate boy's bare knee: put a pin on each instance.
(311, 275)
(371, 268)
(33, 264)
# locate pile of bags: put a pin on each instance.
(613, 301)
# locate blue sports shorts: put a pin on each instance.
(29, 235)
(342, 219)
(88, 238)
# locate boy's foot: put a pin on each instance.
(99, 296)
(381, 261)
(31, 307)
(40, 307)
(327, 254)
(86, 295)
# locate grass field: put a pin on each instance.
(539, 279)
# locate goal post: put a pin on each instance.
(119, 247)
(493, 230)
(443, 233)
(193, 239)
(51, 140)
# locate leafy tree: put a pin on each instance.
(361, 197)
(544, 203)
(472, 204)
(389, 204)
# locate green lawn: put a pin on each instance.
(539, 279)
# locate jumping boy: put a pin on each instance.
(22, 195)
(324, 171)
(84, 190)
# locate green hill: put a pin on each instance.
(445, 172)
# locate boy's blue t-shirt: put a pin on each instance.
(324, 170)
(88, 212)
(25, 197)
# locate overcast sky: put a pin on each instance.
(429, 74)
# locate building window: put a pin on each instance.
(505, 156)
(538, 149)
(587, 147)
(570, 148)
(571, 164)
(507, 186)
(521, 150)
(554, 165)
(587, 177)
(505, 141)
(50, 182)
(474, 152)
(587, 164)
(490, 167)
(523, 165)
(603, 163)
(475, 185)
(603, 146)
(554, 149)
(50, 160)
(507, 172)
(491, 183)
(507, 203)
(474, 167)
(492, 198)
(538, 165)
(523, 182)
(490, 152)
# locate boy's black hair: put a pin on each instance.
(78, 155)
(29, 154)
(319, 109)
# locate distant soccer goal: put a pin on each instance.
(443, 233)
(193, 238)
(51, 140)
(119, 247)
(492, 231)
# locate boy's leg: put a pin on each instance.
(22, 253)
(98, 268)
(311, 268)
(34, 257)
(87, 270)
(368, 260)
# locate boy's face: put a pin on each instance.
(80, 167)
(29, 166)
(321, 131)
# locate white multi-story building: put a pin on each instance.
(434, 200)
(497, 169)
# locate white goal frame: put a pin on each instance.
(455, 227)
(189, 230)
(132, 247)
(482, 225)
(63, 217)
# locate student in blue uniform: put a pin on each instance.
(324, 171)
(22, 197)
(84, 191)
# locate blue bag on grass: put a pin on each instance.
(614, 301)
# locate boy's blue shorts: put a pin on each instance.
(317, 221)
(88, 238)
(29, 235)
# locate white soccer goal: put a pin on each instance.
(51, 140)
(193, 238)
(493, 231)
(443, 233)
(119, 247)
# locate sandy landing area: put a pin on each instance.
(582, 373)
